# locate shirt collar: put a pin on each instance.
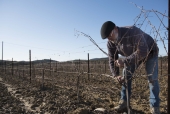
(119, 34)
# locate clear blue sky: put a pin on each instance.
(47, 27)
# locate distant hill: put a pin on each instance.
(95, 59)
(44, 61)
(48, 60)
(164, 58)
(26, 62)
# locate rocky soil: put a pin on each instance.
(72, 94)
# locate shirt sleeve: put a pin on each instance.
(113, 55)
(141, 47)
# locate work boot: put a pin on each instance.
(155, 110)
(121, 107)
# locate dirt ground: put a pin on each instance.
(72, 94)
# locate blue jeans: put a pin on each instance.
(152, 72)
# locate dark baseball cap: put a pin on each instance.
(106, 29)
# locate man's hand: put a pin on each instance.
(119, 63)
(120, 79)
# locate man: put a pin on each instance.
(137, 47)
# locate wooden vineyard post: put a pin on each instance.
(50, 66)
(43, 80)
(17, 67)
(88, 68)
(168, 100)
(94, 65)
(127, 93)
(56, 66)
(18, 71)
(161, 65)
(30, 64)
(78, 79)
(62, 66)
(12, 68)
(2, 59)
(53, 73)
(105, 67)
(79, 65)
